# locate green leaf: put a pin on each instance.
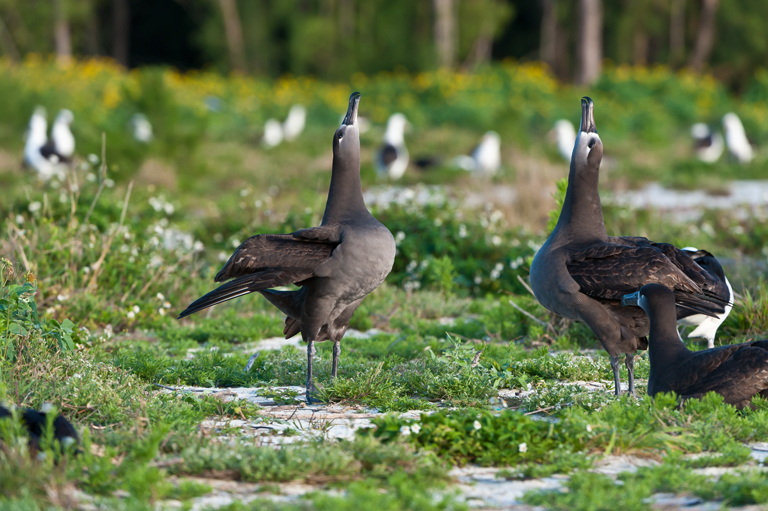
(17, 329)
(67, 326)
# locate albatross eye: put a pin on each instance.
(340, 135)
(591, 143)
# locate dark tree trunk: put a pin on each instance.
(549, 33)
(640, 47)
(445, 32)
(62, 34)
(7, 44)
(705, 38)
(676, 32)
(234, 33)
(121, 31)
(589, 47)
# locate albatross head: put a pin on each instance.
(588, 149)
(346, 140)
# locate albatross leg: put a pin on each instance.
(310, 383)
(629, 361)
(335, 363)
(616, 379)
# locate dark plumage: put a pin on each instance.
(738, 372)
(581, 273)
(336, 265)
(35, 423)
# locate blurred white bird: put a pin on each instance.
(565, 137)
(485, 159)
(61, 135)
(141, 128)
(294, 123)
(39, 152)
(708, 144)
(392, 159)
(736, 138)
(273, 133)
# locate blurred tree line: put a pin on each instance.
(334, 38)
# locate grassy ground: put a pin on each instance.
(93, 276)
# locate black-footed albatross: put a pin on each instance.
(581, 273)
(336, 265)
(35, 422)
(737, 372)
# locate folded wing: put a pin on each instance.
(266, 261)
(610, 270)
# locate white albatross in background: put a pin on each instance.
(40, 153)
(708, 144)
(736, 138)
(294, 123)
(392, 158)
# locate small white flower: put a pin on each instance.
(257, 203)
(34, 207)
(62, 298)
(131, 315)
(87, 269)
(438, 222)
(50, 310)
(19, 219)
(400, 236)
(198, 246)
(93, 159)
(405, 430)
(235, 242)
(477, 425)
(166, 305)
(168, 208)
(496, 240)
(522, 447)
(109, 183)
(478, 279)
(161, 311)
(244, 192)
(462, 231)
(415, 428)
(223, 256)
(160, 296)
(589, 428)
(91, 177)
(136, 309)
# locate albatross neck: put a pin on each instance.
(345, 197)
(582, 214)
(664, 344)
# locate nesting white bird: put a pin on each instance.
(294, 123)
(708, 144)
(392, 159)
(141, 128)
(485, 159)
(273, 133)
(39, 152)
(736, 138)
(565, 137)
(61, 134)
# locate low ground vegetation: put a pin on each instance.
(94, 271)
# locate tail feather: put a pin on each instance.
(271, 277)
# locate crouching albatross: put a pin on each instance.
(738, 372)
(581, 273)
(335, 265)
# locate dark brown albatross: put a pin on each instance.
(336, 264)
(581, 273)
(738, 372)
